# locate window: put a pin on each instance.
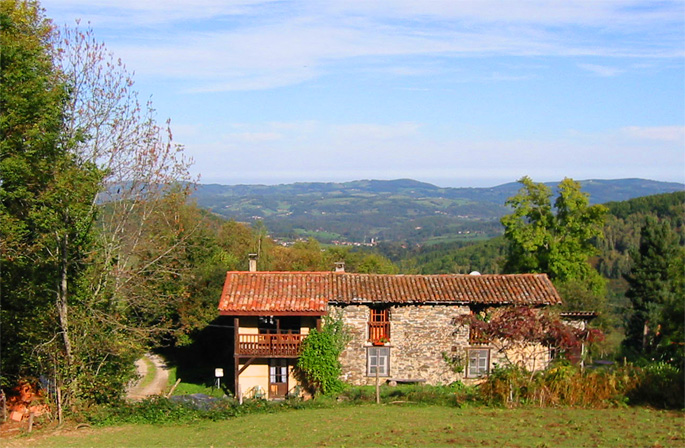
(379, 325)
(278, 371)
(380, 315)
(378, 359)
(278, 378)
(479, 362)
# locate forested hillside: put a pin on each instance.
(623, 225)
(621, 234)
(390, 211)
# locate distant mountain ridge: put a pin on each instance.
(600, 190)
(395, 210)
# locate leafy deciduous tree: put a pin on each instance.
(555, 239)
(319, 361)
(47, 193)
(89, 235)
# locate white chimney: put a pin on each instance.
(253, 262)
(339, 266)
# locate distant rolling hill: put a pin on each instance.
(389, 210)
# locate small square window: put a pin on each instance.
(478, 362)
(378, 360)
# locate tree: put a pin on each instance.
(90, 189)
(143, 166)
(136, 282)
(656, 291)
(555, 239)
(524, 335)
(47, 193)
(358, 261)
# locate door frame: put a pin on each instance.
(278, 369)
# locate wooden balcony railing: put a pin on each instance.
(379, 331)
(278, 344)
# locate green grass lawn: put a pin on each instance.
(395, 425)
(185, 388)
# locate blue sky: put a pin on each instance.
(453, 92)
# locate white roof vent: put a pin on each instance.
(475, 273)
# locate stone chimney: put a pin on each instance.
(339, 266)
(253, 262)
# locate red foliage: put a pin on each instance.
(526, 325)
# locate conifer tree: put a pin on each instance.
(656, 293)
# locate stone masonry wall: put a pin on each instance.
(419, 335)
(353, 358)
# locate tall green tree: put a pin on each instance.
(657, 293)
(47, 199)
(555, 238)
(89, 223)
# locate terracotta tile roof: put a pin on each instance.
(275, 292)
(310, 292)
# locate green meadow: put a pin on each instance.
(399, 424)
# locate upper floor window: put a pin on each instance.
(379, 325)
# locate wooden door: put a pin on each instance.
(278, 378)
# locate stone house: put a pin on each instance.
(401, 326)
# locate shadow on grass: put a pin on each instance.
(212, 348)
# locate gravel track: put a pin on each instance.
(159, 384)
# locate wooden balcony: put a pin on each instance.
(275, 345)
(379, 331)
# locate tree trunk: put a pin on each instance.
(62, 297)
(645, 335)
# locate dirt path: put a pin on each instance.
(159, 384)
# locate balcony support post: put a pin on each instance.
(236, 356)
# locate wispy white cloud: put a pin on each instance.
(601, 70)
(608, 14)
(253, 44)
(135, 13)
(420, 50)
(614, 13)
(675, 134)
